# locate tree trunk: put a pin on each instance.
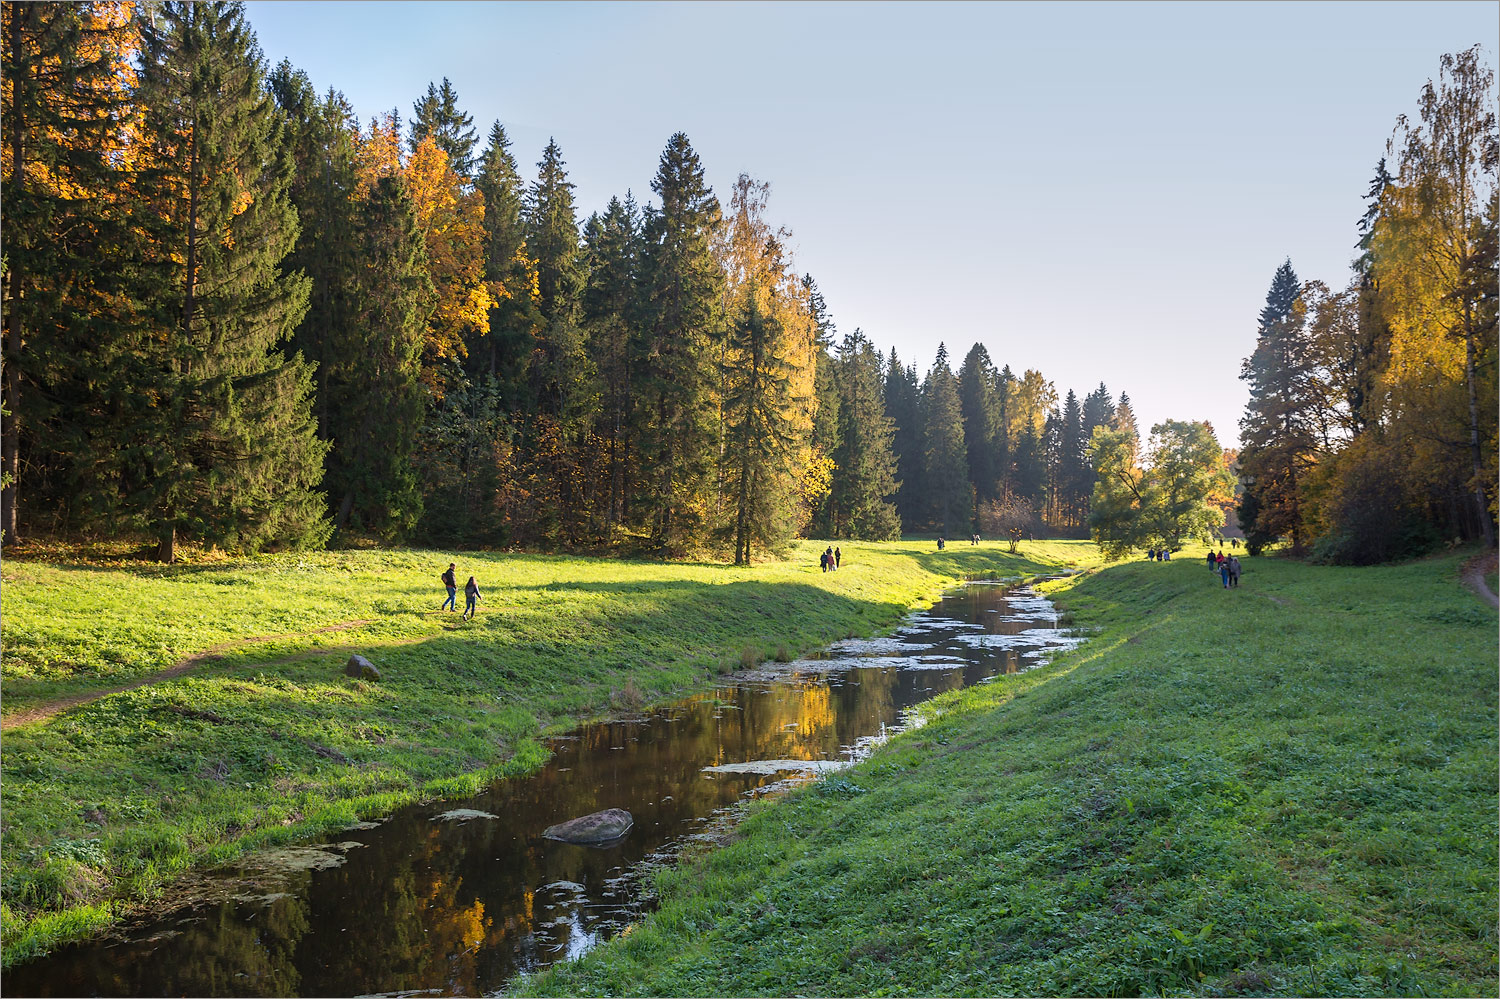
(345, 509)
(166, 551)
(10, 445)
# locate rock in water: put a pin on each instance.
(361, 667)
(600, 827)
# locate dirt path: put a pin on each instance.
(1473, 576)
(41, 712)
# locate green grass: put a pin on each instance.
(105, 803)
(1287, 789)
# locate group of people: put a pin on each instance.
(1158, 554)
(1227, 568)
(831, 559)
(471, 593)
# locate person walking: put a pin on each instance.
(452, 584)
(838, 558)
(471, 599)
(1234, 570)
(827, 559)
(1224, 573)
(1211, 561)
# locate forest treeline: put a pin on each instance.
(1371, 430)
(235, 313)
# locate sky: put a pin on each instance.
(1101, 192)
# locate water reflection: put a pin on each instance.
(457, 898)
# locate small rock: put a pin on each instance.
(600, 827)
(359, 666)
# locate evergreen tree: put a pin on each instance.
(514, 318)
(1124, 418)
(1004, 442)
(377, 391)
(1098, 411)
(231, 455)
(976, 386)
(945, 458)
(864, 476)
(903, 406)
(1277, 432)
(68, 249)
(610, 302)
(451, 130)
(674, 351)
(1073, 473)
(561, 375)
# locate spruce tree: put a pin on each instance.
(451, 130)
(903, 406)
(610, 302)
(505, 352)
(945, 458)
(560, 371)
(864, 476)
(1072, 474)
(231, 454)
(976, 386)
(69, 252)
(1004, 444)
(827, 419)
(674, 351)
(1276, 430)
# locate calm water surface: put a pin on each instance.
(437, 900)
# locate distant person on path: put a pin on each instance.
(940, 544)
(471, 598)
(1224, 573)
(1234, 542)
(1234, 570)
(838, 558)
(1212, 562)
(1150, 554)
(450, 581)
(826, 559)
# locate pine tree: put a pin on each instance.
(68, 249)
(231, 454)
(976, 386)
(945, 458)
(1277, 432)
(673, 353)
(451, 130)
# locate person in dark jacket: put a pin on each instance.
(838, 558)
(471, 598)
(452, 584)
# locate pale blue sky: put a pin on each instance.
(1099, 191)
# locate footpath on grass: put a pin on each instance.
(1287, 788)
(145, 734)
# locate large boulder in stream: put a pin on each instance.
(591, 830)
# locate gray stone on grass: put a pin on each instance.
(600, 827)
(359, 666)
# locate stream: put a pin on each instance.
(457, 897)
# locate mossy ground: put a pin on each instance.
(268, 742)
(1284, 789)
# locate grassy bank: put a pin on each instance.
(1289, 788)
(266, 741)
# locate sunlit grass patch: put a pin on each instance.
(267, 741)
(1288, 788)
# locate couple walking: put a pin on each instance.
(471, 593)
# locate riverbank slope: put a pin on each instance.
(161, 718)
(1284, 789)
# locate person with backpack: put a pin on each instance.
(1234, 570)
(471, 598)
(838, 558)
(452, 584)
